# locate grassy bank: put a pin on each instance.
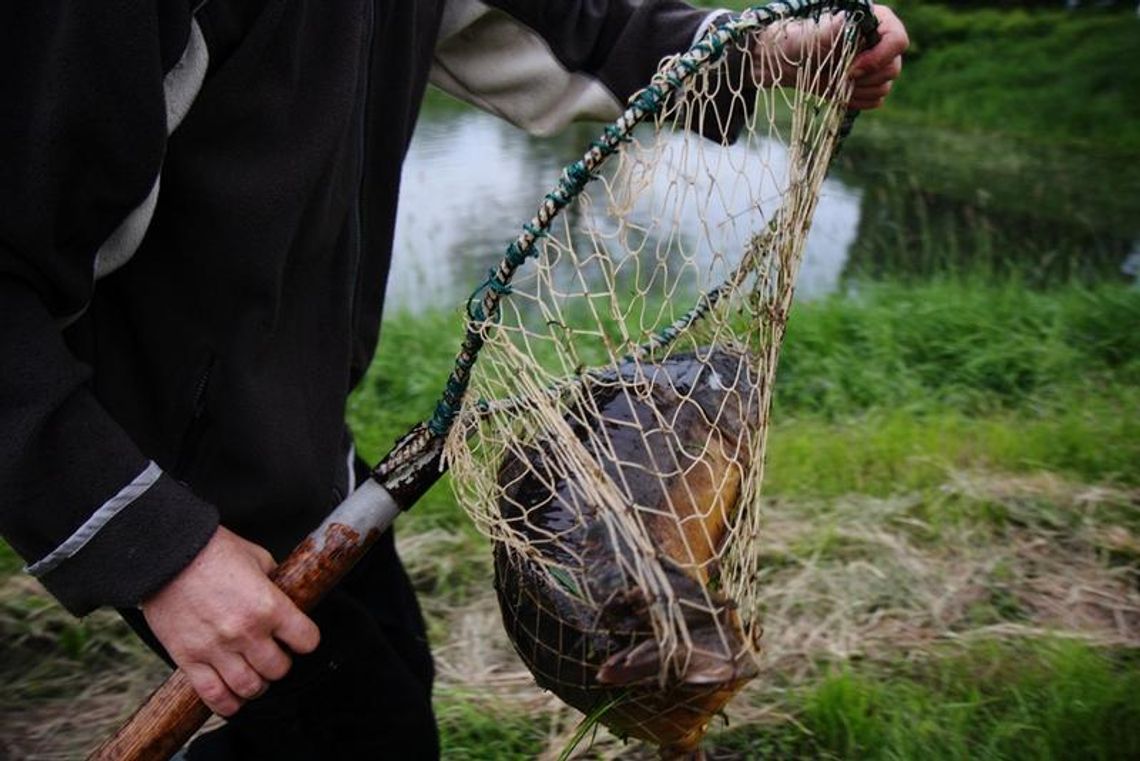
(1040, 74)
(886, 389)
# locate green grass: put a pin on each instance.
(10, 562)
(959, 344)
(892, 389)
(473, 730)
(1043, 74)
(895, 451)
(883, 391)
(1011, 137)
(992, 700)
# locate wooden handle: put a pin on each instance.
(173, 713)
(161, 726)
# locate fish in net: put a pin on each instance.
(612, 441)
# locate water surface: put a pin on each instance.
(898, 204)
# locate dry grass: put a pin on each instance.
(862, 578)
(65, 682)
(986, 557)
(866, 578)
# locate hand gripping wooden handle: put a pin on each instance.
(173, 713)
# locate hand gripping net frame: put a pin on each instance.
(618, 473)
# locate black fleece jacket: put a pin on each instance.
(196, 213)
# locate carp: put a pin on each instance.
(674, 438)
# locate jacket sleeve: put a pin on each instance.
(541, 65)
(89, 93)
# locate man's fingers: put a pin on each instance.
(296, 630)
(239, 676)
(888, 73)
(874, 91)
(866, 105)
(893, 42)
(212, 689)
(868, 98)
(269, 660)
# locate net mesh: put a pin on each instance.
(613, 443)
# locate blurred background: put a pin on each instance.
(953, 479)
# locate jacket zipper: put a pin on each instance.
(196, 427)
(362, 146)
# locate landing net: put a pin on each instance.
(612, 442)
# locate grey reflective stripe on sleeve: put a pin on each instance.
(351, 469)
(98, 520)
(180, 88)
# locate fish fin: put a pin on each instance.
(640, 663)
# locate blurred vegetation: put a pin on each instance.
(1039, 72)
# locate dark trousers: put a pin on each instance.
(364, 693)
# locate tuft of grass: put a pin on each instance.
(10, 562)
(991, 700)
(475, 730)
(590, 723)
(958, 344)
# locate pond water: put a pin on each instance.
(896, 205)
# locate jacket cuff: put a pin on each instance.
(130, 548)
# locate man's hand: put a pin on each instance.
(875, 70)
(223, 622)
(784, 48)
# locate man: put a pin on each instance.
(195, 227)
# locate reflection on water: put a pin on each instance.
(470, 181)
(901, 204)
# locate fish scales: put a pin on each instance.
(674, 438)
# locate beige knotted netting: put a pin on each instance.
(612, 441)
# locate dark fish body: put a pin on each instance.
(674, 437)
